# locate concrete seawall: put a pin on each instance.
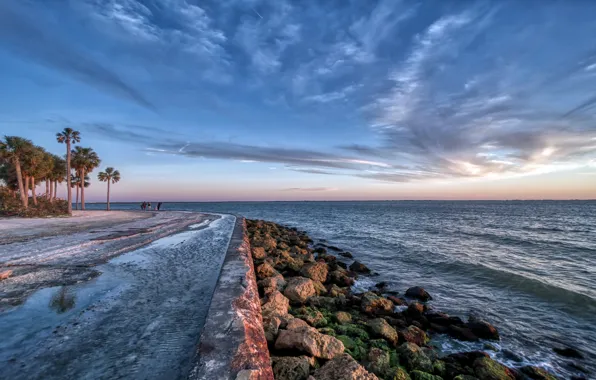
(233, 344)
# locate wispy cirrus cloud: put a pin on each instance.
(24, 35)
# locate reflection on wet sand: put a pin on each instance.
(63, 300)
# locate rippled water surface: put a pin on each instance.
(528, 267)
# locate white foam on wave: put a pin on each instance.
(363, 284)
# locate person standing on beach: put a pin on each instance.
(149, 206)
(143, 205)
(158, 206)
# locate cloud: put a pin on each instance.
(23, 35)
(266, 34)
(177, 27)
(310, 189)
(486, 123)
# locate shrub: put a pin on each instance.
(11, 206)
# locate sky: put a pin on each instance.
(221, 100)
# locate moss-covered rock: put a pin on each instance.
(536, 373)
(413, 334)
(352, 330)
(465, 377)
(312, 316)
(342, 317)
(439, 367)
(487, 369)
(398, 373)
(420, 375)
(413, 358)
(378, 361)
(381, 328)
(290, 368)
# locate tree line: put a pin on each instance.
(24, 166)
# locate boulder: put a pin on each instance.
(276, 305)
(483, 329)
(536, 373)
(266, 270)
(343, 367)
(415, 310)
(568, 352)
(290, 368)
(271, 327)
(397, 301)
(258, 253)
(398, 373)
(381, 328)
(378, 361)
(347, 255)
(340, 278)
(315, 271)
(418, 293)
(328, 303)
(310, 341)
(312, 316)
(486, 368)
(414, 358)
(319, 287)
(461, 333)
(342, 317)
(300, 289)
(269, 243)
(374, 304)
(272, 284)
(414, 334)
(419, 375)
(296, 323)
(358, 267)
(335, 291)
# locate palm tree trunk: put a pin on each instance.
(27, 191)
(82, 189)
(108, 195)
(55, 190)
(33, 191)
(77, 203)
(47, 193)
(68, 187)
(17, 166)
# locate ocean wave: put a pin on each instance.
(575, 302)
(519, 241)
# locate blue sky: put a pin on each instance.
(273, 100)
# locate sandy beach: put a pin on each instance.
(38, 253)
(107, 295)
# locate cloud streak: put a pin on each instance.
(22, 35)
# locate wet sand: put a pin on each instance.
(77, 307)
(40, 253)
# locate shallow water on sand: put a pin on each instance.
(141, 318)
(528, 267)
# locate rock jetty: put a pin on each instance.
(317, 328)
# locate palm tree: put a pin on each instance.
(84, 160)
(110, 175)
(75, 181)
(68, 136)
(13, 149)
(57, 175)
